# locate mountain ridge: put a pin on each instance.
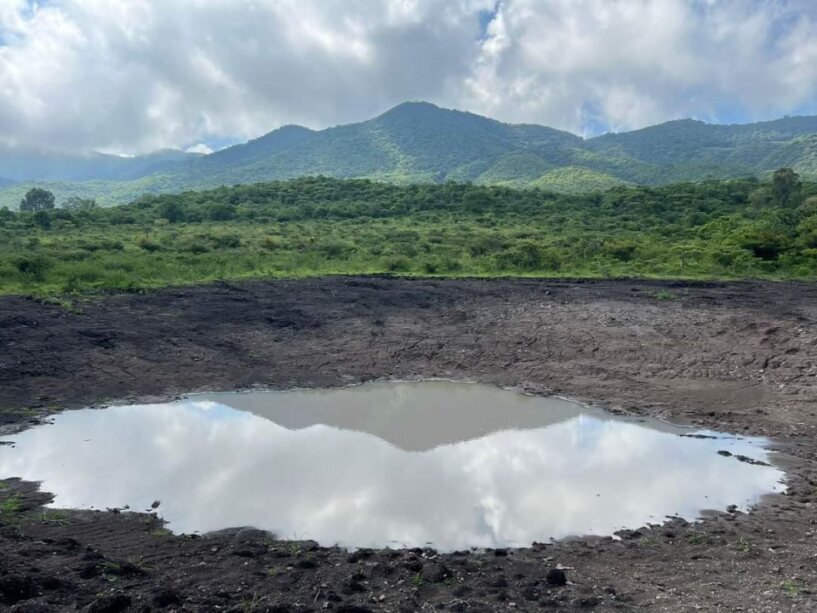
(34, 164)
(421, 142)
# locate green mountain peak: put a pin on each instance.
(419, 141)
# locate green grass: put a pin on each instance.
(697, 539)
(10, 506)
(161, 532)
(314, 227)
(573, 179)
(664, 295)
(54, 516)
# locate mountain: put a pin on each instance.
(412, 142)
(420, 142)
(687, 141)
(31, 164)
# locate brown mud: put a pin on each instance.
(737, 357)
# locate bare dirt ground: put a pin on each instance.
(739, 357)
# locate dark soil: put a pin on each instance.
(739, 357)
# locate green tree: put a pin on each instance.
(764, 243)
(786, 186)
(220, 212)
(761, 197)
(478, 199)
(172, 211)
(75, 203)
(42, 219)
(37, 199)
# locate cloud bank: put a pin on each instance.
(140, 75)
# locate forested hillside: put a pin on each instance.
(419, 142)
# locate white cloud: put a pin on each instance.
(630, 63)
(200, 148)
(145, 74)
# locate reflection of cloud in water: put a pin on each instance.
(220, 467)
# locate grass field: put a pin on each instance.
(325, 226)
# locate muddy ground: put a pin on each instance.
(738, 357)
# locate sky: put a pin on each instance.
(132, 76)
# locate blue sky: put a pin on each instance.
(130, 77)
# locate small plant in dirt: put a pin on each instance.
(138, 564)
(697, 539)
(160, 532)
(663, 294)
(113, 568)
(743, 545)
(792, 588)
(62, 301)
(53, 516)
(417, 580)
(295, 549)
(252, 603)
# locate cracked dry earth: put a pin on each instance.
(736, 357)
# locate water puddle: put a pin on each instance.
(453, 465)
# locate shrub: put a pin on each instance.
(196, 247)
(335, 250)
(220, 212)
(102, 245)
(406, 249)
(271, 244)
(226, 241)
(485, 245)
(33, 267)
(148, 245)
(623, 251)
(764, 243)
(42, 219)
(528, 256)
(172, 211)
(398, 264)
(436, 265)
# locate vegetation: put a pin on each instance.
(10, 507)
(311, 226)
(37, 199)
(419, 142)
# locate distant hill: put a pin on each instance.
(420, 142)
(29, 164)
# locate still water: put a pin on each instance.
(454, 465)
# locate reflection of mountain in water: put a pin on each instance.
(213, 466)
(410, 416)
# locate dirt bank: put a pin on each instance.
(736, 357)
